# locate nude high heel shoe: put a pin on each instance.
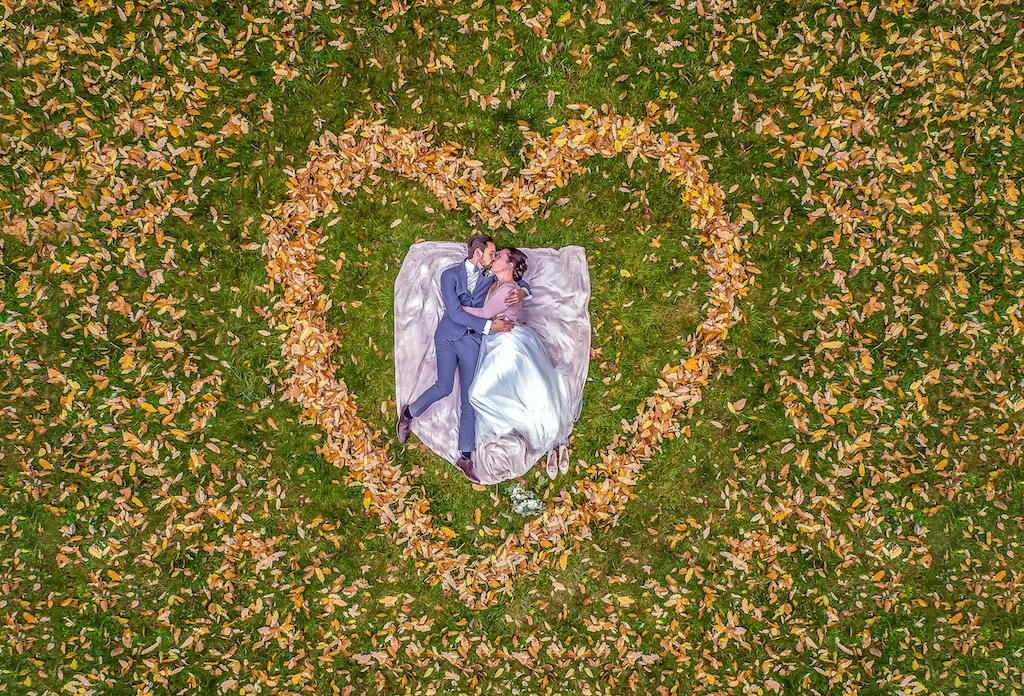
(552, 465)
(563, 459)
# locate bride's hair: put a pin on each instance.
(519, 264)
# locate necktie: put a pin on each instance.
(473, 278)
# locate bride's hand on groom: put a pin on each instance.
(501, 324)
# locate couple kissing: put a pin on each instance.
(508, 383)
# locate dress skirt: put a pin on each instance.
(517, 389)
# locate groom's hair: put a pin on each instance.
(478, 240)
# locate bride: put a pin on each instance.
(516, 388)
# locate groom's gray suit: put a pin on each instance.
(457, 342)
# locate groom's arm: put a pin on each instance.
(453, 308)
(525, 287)
(513, 297)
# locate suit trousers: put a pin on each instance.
(461, 353)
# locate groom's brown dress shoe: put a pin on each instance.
(466, 464)
(404, 425)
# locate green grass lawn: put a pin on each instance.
(167, 524)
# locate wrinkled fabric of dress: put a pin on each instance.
(518, 390)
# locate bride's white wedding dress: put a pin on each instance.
(517, 388)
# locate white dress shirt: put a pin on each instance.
(474, 274)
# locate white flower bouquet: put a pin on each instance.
(524, 502)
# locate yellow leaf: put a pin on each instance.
(564, 561)
(625, 274)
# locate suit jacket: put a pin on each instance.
(455, 293)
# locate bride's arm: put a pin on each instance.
(494, 306)
(476, 311)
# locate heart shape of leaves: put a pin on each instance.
(340, 164)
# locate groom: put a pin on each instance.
(457, 342)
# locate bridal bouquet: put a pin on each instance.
(524, 502)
